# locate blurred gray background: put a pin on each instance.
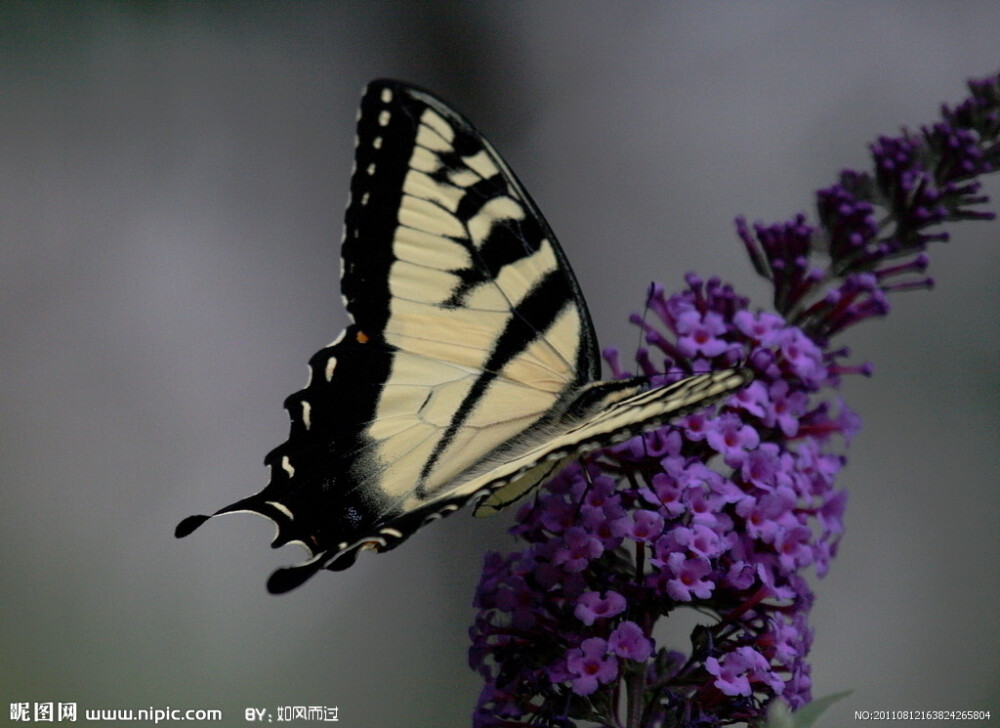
(172, 181)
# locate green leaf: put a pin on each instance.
(779, 716)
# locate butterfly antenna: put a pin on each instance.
(650, 290)
(641, 343)
(586, 476)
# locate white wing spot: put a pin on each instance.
(281, 507)
(286, 465)
(437, 123)
(371, 169)
(481, 163)
(392, 532)
(383, 118)
(306, 414)
(364, 199)
(331, 364)
(377, 142)
(386, 95)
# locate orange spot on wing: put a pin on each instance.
(362, 337)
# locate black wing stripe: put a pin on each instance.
(542, 306)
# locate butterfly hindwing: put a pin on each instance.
(469, 368)
(605, 413)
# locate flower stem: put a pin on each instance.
(635, 682)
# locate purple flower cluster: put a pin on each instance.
(720, 513)
(723, 512)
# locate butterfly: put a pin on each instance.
(470, 370)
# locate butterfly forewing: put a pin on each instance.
(481, 314)
(469, 358)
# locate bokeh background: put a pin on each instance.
(172, 180)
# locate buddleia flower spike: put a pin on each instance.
(725, 511)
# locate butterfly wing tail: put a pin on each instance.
(189, 525)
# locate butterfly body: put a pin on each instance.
(469, 372)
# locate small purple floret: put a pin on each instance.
(589, 665)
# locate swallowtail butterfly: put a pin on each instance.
(469, 373)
